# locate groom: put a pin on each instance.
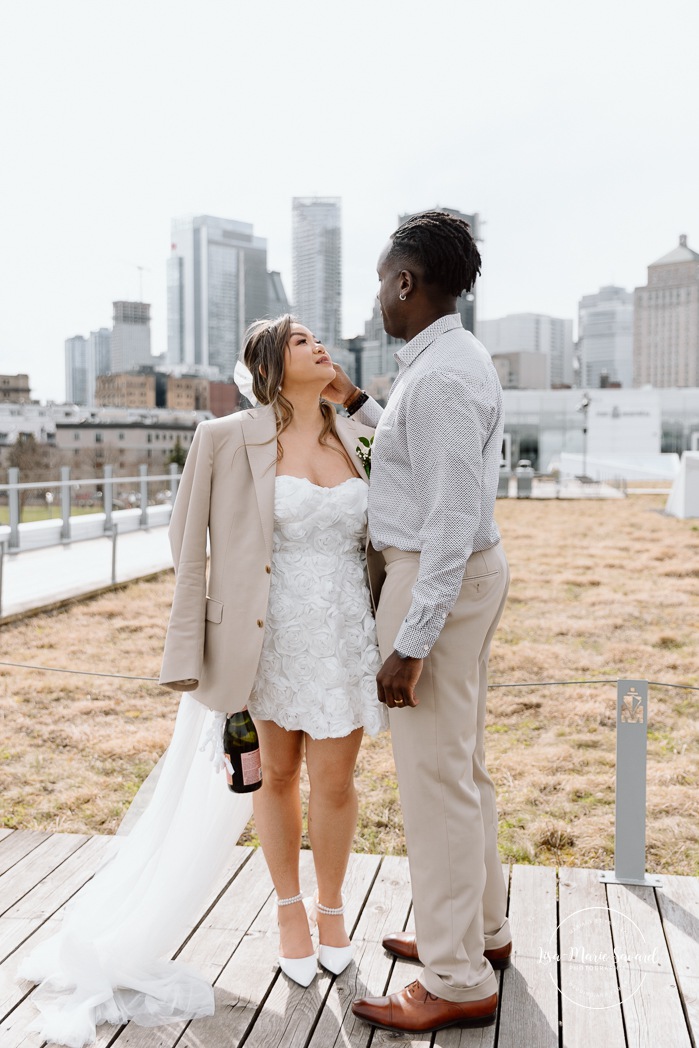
(434, 475)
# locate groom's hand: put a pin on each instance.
(396, 681)
(341, 387)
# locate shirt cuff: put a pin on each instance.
(416, 642)
(369, 413)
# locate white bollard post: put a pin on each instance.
(65, 503)
(13, 504)
(143, 473)
(107, 497)
(115, 529)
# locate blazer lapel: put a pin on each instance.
(350, 440)
(259, 434)
(376, 568)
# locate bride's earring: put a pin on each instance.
(402, 296)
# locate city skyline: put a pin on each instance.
(581, 179)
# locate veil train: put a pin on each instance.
(110, 960)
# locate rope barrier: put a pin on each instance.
(81, 673)
(516, 684)
(550, 683)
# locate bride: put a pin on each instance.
(283, 624)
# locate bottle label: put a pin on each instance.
(251, 766)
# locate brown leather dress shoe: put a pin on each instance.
(415, 1010)
(403, 945)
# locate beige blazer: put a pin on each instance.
(214, 637)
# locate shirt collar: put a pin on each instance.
(412, 350)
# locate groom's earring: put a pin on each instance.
(402, 296)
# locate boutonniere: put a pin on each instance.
(364, 453)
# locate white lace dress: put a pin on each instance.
(319, 661)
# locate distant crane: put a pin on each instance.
(141, 271)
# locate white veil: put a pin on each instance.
(110, 960)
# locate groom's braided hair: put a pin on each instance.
(442, 246)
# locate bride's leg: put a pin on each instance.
(332, 819)
(277, 809)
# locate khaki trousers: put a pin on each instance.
(447, 796)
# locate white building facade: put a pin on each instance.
(533, 333)
(605, 337)
(317, 266)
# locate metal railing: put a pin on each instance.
(104, 492)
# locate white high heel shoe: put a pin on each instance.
(302, 970)
(334, 958)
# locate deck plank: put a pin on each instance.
(234, 944)
(650, 997)
(209, 918)
(18, 844)
(30, 870)
(32, 920)
(38, 904)
(386, 910)
(678, 901)
(483, 1037)
(293, 1027)
(12, 995)
(248, 976)
(4, 833)
(589, 995)
(403, 973)
(14, 1028)
(529, 1005)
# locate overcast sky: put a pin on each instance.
(571, 127)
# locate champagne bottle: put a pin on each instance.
(242, 748)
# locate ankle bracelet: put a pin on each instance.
(331, 911)
(289, 902)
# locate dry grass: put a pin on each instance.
(600, 589)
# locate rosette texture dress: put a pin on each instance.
(320, 658)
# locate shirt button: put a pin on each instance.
(260, 623)
(268, 569)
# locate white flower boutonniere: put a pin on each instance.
(364, 453)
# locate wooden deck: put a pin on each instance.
(560, 991)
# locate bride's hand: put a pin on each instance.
(340, 388)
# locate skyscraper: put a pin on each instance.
(77, 371)
(317, 266)
(605, 336)
(666, 321)
(130, 346)
(86, 358)
(217, 284)
(99, 347)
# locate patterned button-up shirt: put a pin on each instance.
(434, 468)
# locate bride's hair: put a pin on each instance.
(264, 349)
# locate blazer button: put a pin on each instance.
(260, 623)
(268, 569)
